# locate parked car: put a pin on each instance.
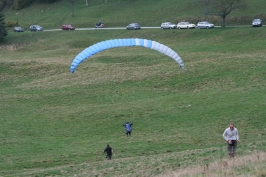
(168, 25)
(18, 29)
(257, 22)
(99, 25)
(133, 26)
(205, 24)
(35, 28)
(185, 25)
(67, 27)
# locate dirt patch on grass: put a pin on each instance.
(226, 167)
(13, 47)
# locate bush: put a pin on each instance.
(11, 24)
(20, 4)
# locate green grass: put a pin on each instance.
(119, 13)
(55, 123)
(52, 118)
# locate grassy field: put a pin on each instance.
(55, 123)
(58, 123)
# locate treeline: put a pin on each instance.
(20, 4)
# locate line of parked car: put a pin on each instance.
(180, 25)
(32, 28)
(39, 28)
(136, 26)
(187, 25)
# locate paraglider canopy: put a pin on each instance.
(113, 43)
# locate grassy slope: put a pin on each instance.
(120, 13)
(56, 123)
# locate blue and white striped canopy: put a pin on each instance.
(113, 43)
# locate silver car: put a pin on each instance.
(133, 26)
(168, 25)
(257, 22)
(18, 29)
(205, 25)
(35, 28)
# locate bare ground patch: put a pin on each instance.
(238, 166)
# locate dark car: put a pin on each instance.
(99, 25)
(35, 28)
(133, 26)
(257, 22)
(67, 27)
(18, 29)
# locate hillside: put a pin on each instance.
(55, 123)
(118, 13)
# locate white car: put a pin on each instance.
(168, 25)
(257, 22)
(185, 25)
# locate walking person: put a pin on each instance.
(232, 138)
(128, 127)
(109, 152)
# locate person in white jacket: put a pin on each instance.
(231, 137)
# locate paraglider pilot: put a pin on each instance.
(128, 127)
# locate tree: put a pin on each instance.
(3, 31)
(223, 8)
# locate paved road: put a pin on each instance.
(117, 28)
(124, 28)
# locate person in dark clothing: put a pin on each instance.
(128, 127)
(109, 152)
